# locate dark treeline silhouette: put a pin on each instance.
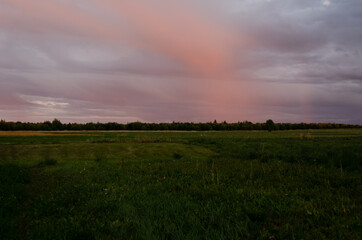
(269, 125)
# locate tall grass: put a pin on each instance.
(246, 185)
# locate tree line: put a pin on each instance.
(269, 125)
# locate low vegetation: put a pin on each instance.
(302, 184)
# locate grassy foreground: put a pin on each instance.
(181, 185)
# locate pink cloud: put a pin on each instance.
(176, 29)
(176, 60)
(179, 30)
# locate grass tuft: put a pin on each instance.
(48, 162)
(177, 156)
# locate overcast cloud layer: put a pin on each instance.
(190, 60)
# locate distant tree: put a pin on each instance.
(270, 126)
(3, 125)
(57, 125)
(19, 126)
(187, 126)
(47, 126)
(90, 126)
(257, 126)
(246, 125)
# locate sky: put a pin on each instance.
(190, 60)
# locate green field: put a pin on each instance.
(181, 185)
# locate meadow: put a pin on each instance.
(300, 184)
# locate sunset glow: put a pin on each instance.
(162, 60)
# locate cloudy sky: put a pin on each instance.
(173, 60)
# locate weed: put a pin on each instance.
(177, 156)
(48, 162)
(98, 158)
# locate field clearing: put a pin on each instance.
(35, 133)
(302, 184)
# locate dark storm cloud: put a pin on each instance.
(80, 61)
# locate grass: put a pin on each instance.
(181, 185)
